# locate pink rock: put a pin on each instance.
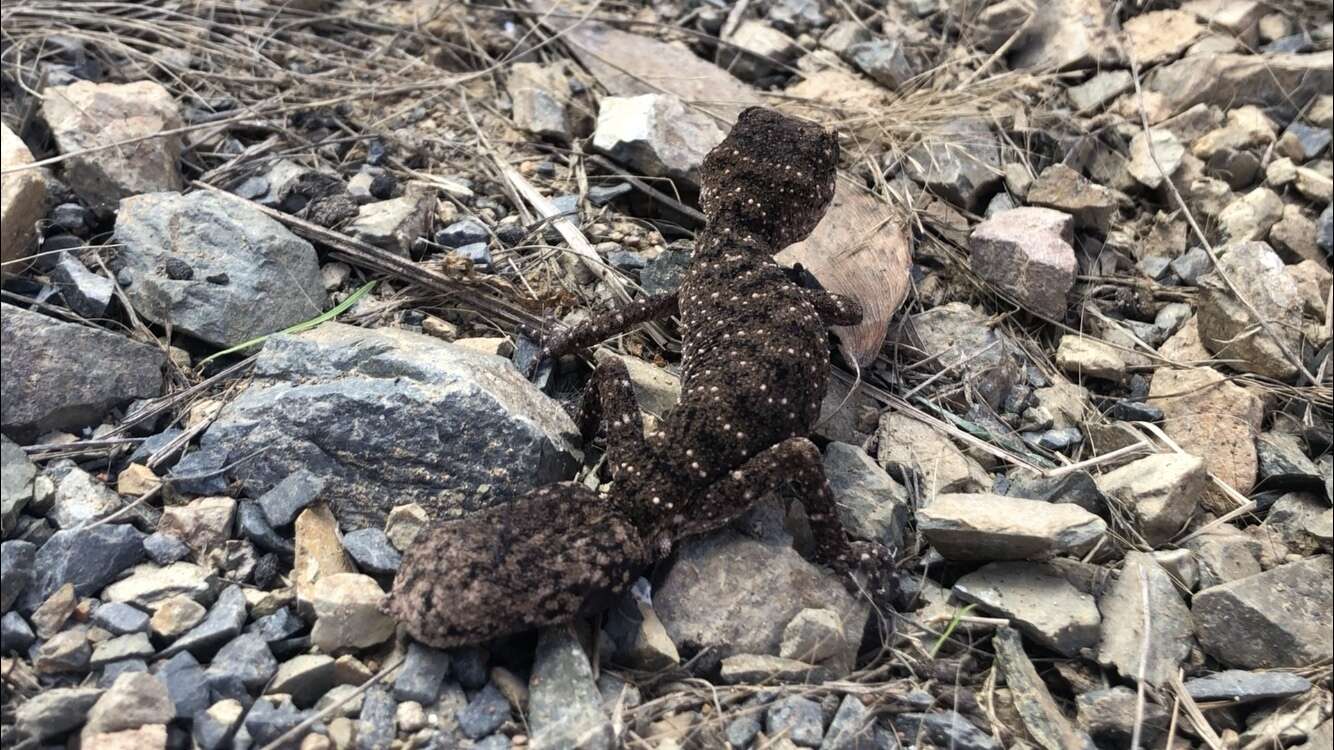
(1027, 252)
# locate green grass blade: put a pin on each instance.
(959, 614)
(304, 325)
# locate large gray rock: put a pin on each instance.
(1170, 627)
(656, 135)
(1065, 34)
(994, 527)
(16, 477)
(1280, 618)
(22, 198)
(564, 706)
(86, 115)
(1038, 600)
(54, 712)
(1232, 80)
(960, 338)
(1229, 330)
(1027, 252)
(870, 504)
(391, 417)
(539, 94)
(59, 376)
(764, 585)
(215, 267)
(960, 162)
(89, 558)
(1161, 492)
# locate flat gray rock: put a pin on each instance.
(1043, 718)
(53, 712)
(389, 417)
(1240, 686)
(1039, 600)
(1109, 716)
(215, 267)
(1232, 80)
(88, 558)
(16, 558)
(994, 527)
(564, 706)
(1170, 628)
(59, 376)
(944, 729)
(17, 473)
(870, 504)
(1279, 618)
(960, 162)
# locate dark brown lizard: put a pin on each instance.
(755, 364)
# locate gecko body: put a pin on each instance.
(755, 366)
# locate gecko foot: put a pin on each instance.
(869, 570)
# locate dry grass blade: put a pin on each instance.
(577, 242)
(1203, 729)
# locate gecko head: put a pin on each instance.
(772, 176)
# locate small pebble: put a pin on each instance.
(165, 549)
(485, 713)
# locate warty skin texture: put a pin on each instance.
(755, 367)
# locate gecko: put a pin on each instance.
(754, 371)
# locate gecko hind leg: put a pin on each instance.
(797, 461)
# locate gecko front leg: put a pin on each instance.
(834, 309)
(609, 401)
(603, 326)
